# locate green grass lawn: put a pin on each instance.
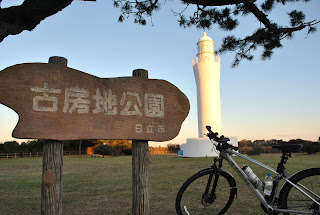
(103, 185)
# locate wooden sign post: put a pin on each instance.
(140, 168)
(56, 103)
(52, 163)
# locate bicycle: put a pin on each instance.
(212, 190)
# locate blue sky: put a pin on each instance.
(273, 99)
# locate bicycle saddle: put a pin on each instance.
(288, 147)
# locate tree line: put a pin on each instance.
(37, 145)
(91, 147)
(124, 147)
(111, 147)
(103, 147)
(265, 146)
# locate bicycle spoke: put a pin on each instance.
(195, 202)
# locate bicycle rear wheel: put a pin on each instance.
(292, 199)
(191, 199)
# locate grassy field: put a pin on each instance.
(103, 185)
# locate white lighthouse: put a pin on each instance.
(206, 68)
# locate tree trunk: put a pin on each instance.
(140, 169)
(80, 147)
(51, 187)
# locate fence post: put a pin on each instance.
(80, 143)
(140, 168)
(52, 162)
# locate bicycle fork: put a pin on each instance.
(208, 199)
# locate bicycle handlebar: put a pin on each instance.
(214, 136)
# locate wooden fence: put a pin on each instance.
(160, 151)
(19, 155)
(153, 151)
(33, 154)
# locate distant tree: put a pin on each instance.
(255, 150)
(296, 141)
(120, 143)
(274, 142)
(83, 144)
(24, 147)
(35, 145)
(127, 151)
(245, 143)
(119, 146)
(74, 145)
(310, 147)
(70, 145)
(280, 142)
(269, 35)
(104, 150)
(10, 147)
(260, 142)
(173, 147)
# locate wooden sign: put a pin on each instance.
(60, 103)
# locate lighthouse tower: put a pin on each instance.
(206, 68)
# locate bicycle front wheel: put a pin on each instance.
(191, 198)
(293, 199)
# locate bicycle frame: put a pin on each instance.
(225, 154)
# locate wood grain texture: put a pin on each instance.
(51, 187)
(60, 103)
(52, 164)
(141, 160)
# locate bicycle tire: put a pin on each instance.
(190, 199)
(294, 199)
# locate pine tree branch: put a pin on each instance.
(213, 2)
(249, 4)
(28, 15)
(271, 26)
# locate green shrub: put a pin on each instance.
(117, 150)
(173, 147)
(256, 150)
(311, 147)
(104, 150)
(127, 151)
